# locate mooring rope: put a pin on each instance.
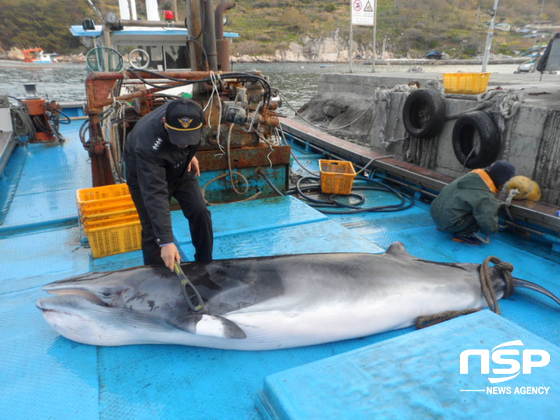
(488, 293)
(486, 281)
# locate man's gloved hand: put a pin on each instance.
(170, 255)
(511, 195)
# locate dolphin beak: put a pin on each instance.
(61, 285)
(73, 289)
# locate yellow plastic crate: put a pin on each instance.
(105, 202)
(114, 238)
(465, 83)
(106, 206)
(337, 176)
(110, 213)
(108, 222)
(116, 191)
(102, 205)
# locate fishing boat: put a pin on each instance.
(37, 56)
(464, 367)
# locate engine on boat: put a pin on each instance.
(241, 130)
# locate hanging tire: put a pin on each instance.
(424, 113)
(476, 140)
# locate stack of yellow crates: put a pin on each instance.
(110, 220)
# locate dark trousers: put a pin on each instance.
(188, 194)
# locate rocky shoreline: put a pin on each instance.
(324, 52)
(16, 54)
(381, 62)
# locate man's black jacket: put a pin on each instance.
(155, 167)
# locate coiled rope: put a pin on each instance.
(487, 289)
(486, 281)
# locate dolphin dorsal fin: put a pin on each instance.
(397, 249)
(210, 326)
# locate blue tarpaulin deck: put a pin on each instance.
(417, 375)
(43, 375)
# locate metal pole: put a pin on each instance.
(175, 10)
(350, 41)
(209, 35)
(107, 59)
(194, 39)
(489, 37)
(374, 35)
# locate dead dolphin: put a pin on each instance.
(263, 303)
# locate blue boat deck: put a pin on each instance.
(43, 375)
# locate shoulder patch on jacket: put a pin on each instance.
(157, 144)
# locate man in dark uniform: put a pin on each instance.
(468, 204)
(160, 163)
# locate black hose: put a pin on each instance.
(405, 202)
(82, 133)
(184, 82)
(85, 125)
(66, 120)
(261, 173)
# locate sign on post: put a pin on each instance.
(363, 12)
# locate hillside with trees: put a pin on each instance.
(405, 27)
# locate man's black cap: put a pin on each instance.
(501, 172)
(184, 119)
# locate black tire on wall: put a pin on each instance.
(476, 140)
(424, 113)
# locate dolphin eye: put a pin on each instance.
(106, 293)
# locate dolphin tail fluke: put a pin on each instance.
(533, 286)
(211, 326)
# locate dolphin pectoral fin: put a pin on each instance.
(211, 326)
(218, 326)
(397, 249)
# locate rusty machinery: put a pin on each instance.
(45, 117)
(241, 122)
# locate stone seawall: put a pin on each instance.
(367, 109)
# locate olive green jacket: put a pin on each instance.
(466, 206)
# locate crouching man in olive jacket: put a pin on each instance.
(468, 204)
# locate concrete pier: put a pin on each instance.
(367, 109)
